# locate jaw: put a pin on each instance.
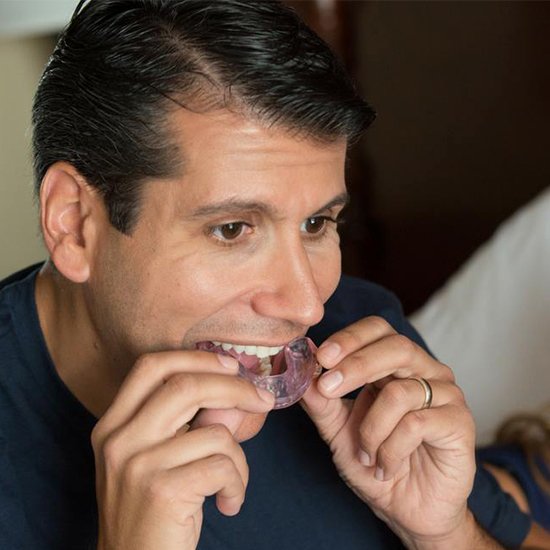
(242, 425)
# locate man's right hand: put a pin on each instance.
(153, 472)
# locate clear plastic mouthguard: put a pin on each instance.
(297, 372)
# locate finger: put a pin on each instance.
(328, 415)
(151, 371)
(182, 395)
(184, 449)
(188, 485)
(352, 338)
(395, 400)
(393, 355)
(447, 427)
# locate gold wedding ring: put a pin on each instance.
(428, 393)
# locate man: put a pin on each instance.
(189, 159)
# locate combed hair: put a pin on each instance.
(122, 66)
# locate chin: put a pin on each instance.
(250, 426)
(241, 424)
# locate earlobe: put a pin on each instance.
(65, 209)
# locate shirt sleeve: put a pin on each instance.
(496, 511)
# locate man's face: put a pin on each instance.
(239, 250)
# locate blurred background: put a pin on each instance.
(461, 140)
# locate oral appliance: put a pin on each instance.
(286, 372)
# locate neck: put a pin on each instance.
(79, 357)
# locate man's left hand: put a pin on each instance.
(414, 467)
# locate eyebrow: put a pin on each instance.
(234, 206)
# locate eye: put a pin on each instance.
(316, 224)
(229, 231)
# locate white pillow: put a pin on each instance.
(491, 320)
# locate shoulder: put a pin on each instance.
(18, 276)
(13, 290)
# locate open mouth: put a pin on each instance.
(259, 360)
(286, 371)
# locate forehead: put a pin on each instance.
(228, 149)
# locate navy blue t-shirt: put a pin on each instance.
(295, 498)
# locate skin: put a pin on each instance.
(135, 306)
(171, 417)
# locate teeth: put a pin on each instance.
(259, 351)
(249, 350)
(265, 366)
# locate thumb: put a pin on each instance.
(328, 415)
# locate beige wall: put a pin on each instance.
(21, 63)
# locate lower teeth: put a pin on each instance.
(264, 368)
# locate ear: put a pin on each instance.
(69, 215)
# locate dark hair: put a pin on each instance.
(121, 66)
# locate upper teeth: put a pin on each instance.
(258, 351)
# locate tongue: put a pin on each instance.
(249, 362)
(278, 364)
(252, 363)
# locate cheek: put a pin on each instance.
(197, 294)
(327, 270)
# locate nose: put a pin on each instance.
(289, 290)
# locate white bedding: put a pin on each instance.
(491, 320)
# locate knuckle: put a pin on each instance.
(184, 385)
(367, 437)
(221, 434)
(379, 324)
(113, 452)
(386, 455)
(404, 347)
(394, 393)
(458, 396)
(465, 416)
(159, 491)
(97, 437)
(413, 423)
(351, 336)
(462, 421)
(220, 465)
(447, 374)
(355, 361)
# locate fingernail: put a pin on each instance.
(227, 361)
(266, 395)
(379, 474)
(364, 458)
(331, 380)
(329, 352)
